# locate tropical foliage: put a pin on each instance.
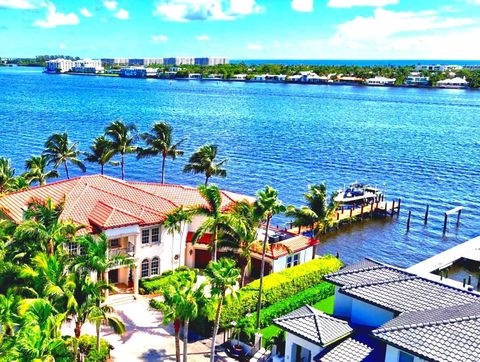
(122, 138)
(60, 151)
(204, 161)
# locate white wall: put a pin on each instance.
(392, 354)
(281, 263)
(291, 339)
(369, 315)
(343, 304)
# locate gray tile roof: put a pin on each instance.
(349, 350)
(449, 334)
(410, 293)
(314, 326)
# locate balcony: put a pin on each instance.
(128, 251)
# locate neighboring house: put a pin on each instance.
(454, 83)
(87, 66)
(409, 318)
(308, 77)
(239, 77)
(382, 81)
(131, 215)
(197, 76)
(133, 72)
(416, 79)
(59, 65)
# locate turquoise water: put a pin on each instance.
(422, 144)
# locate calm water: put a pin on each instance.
(424, 145)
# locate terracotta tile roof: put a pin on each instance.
(104, 202)
(285, 247)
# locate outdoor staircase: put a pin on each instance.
(116, 300)
(262, 355)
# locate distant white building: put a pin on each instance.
(307, 77)
(59, 65)
(179, 61)
(239, 77)
(87, 66)
(144, 61)
(454, 83)
(114, 61)
(197, 76)
(380, 81)
(210, 61)
(438, 67)
(416, 79)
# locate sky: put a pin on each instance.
(242, 29)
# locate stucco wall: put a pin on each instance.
(281, 263)
(369, 315)
(343, 304)
(292, 339)
(392, 354)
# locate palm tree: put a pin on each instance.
(267, 204)
(101, 152)
(215, 217)
(9, 318)
(203, 161)
(241, 236)
(160, 142)
(175, 222)
(122, 138)
(60, 151)
(103, 314)
(7, 175)
(223, 277)
(181, 300)
(36, 170)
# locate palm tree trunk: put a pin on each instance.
(78, 332)
(185, 339)
(215, 327)
(176, 327)
(262, 271)
(51, 247)
(123, 166)
(214, 245)
(163, 169)
(66, 170)
(206, 180)
(98, 335)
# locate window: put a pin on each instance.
(115, 243)
(405, 357)
(145, 268)
(293, 260)
(154, 268)
(145, 236)
(72, 248)
(155, 235)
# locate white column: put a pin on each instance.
(135, 279)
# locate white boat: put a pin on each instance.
(358, 194)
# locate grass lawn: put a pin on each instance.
(325, 305)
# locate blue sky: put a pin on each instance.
(243, 29)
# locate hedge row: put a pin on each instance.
(308, 296)
(154, 285)
(277, 287)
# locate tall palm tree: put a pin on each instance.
(60, 151)
(204, 161)
(175, 222)
(103, 314)
(267, 204)
(222, 276)
(159, 142)
(37, 170)
(7, 175)
(122, 138)
(101, 152)
(241, 236)
(215, 217)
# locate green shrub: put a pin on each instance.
(154, 285)
(88, 346)
(309, 296)
(277, 287)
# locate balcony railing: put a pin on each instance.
(128, 251)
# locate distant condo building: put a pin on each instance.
(438, 67)
(179, 61)
(145, 61)
(209, 61)
(114, 61)
(87, 66)
(59, 65)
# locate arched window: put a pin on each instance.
(145, 268)
(154, 267)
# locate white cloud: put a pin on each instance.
(385, 23)
(121, 14)
(187, 10)
(110, 5)
(62, 46)
(56, 19)
(159, 38)
(21, 4)
(85, 12)
(352, 3)
(254, 46)
(304, 6)
(202, 37)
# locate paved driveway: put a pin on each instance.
(146, 339)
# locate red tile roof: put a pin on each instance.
(105, 202)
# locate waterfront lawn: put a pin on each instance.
(325, 305)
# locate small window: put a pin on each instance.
(145, 236)
(115, 243)
(72, 248)
(155, 235)
(154, 268)
(296, 259)
(289, 261)
(405, 357)
(145, 268)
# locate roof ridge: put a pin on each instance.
(114, 208)
(340, 272)
(379, 282)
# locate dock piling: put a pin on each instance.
(458, 217)
(445, 221)
(425, 220)
(408, 221)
